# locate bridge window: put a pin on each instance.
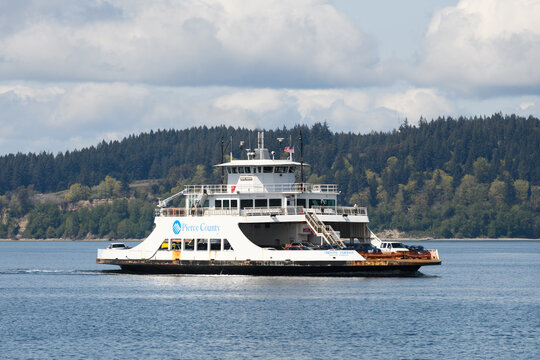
(291, 169)
(247, 170)
(331, 202)
(315, 202)
(259, 203)
(281, 169)
(268, 169)
(247, 203)
(225, 204)
(241, 170)
(275, 202)
(228, 170)
(234, 170)
(234, 204)
(301, 202)
(218, 204)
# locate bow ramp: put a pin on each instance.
(321, 229)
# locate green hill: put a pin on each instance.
(474, 177)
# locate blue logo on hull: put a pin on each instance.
(177, 227)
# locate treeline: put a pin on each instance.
(107, 210)
(431, 205)
(509, 143)
(466, 177)
(118, 219)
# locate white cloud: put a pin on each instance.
(35, 117)
(223, 42)
(73, 73)
(26, 93)
(86, 113)
(258, 100)
(484, 46)
(310, 101)
(99, 103)
(526, 105)
(414, 103)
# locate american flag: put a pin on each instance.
(289, 149)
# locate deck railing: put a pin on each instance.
(267, 211)
(260, 188)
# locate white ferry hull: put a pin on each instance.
(249, 259)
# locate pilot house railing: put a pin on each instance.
(260, 188)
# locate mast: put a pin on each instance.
(301, 159)
(280, 140)
(290, 144)
(223, 149)
(222, 159)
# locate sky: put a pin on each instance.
(74, 73)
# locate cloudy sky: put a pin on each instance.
(75, 72)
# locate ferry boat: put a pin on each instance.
(262, 222)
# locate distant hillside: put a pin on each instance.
(446, 177)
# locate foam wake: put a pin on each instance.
(57, 272)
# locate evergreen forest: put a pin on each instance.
(444, 178)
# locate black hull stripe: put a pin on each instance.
(268, 268)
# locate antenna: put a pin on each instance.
(260, 140)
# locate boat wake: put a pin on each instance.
(57, 272)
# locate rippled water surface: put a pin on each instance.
(483, 302)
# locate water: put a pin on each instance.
(483, 303)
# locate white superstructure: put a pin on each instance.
(256, 219)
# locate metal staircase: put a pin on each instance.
(163, 203)
(321, 229)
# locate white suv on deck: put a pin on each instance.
(388, 247)
(118, 246)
